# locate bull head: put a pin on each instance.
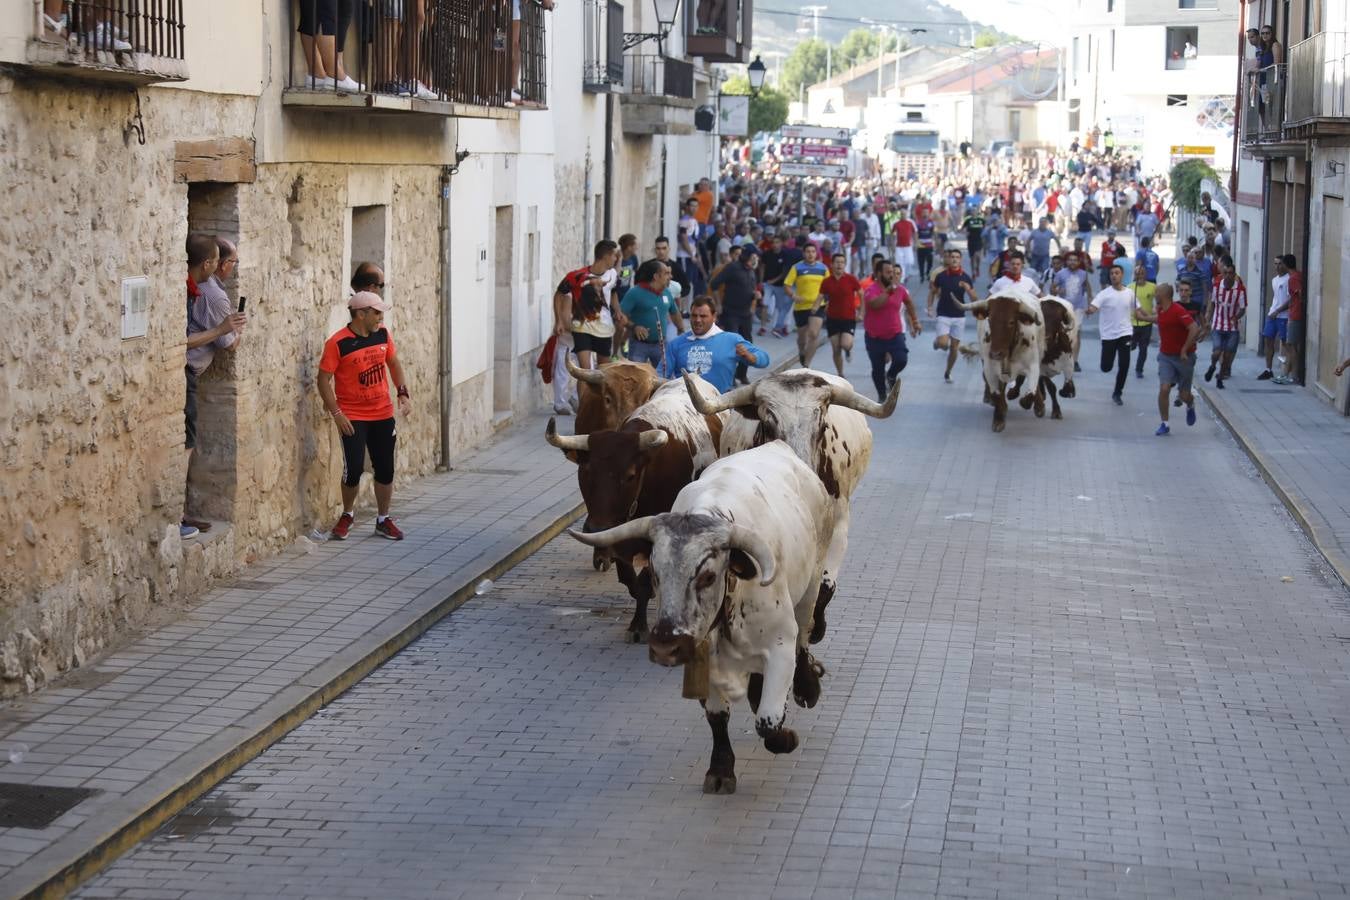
(588, 376)
(839, 395)
(740, 540)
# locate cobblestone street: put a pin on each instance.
(1072, 659)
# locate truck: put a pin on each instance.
(903, 141)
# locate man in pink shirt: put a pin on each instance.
(884, 326)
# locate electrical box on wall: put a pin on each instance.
(482, 261)
(135, 306)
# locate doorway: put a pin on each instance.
(503, 360)
(1329, 315)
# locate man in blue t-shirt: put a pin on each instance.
(1148, 259)
(709, 351)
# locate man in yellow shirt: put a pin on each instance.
(803, 286)
(1143, 291)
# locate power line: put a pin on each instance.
(858, 21)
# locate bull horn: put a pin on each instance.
(755, 547)
(590, 376)
(637, 529)
(741, 396)
(841, 395)
(565, 441)
(652, 439)
(969, 306)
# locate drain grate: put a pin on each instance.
(36, 805)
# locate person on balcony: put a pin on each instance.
(323, 32)
(1269, 54)
(516, 12)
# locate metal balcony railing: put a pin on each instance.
(1317, 77)
(659, 76)
(462, 51)
(146, 27)
(602, 65)
(1263, 111)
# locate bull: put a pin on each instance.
(1008, 327)
(1059, 335)
(637, 470)
(736, 563)
(822, 418)
(609, 395)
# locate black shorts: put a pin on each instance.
(839, 326)
(190, 409)
(589, 343)
(974, 244)
(379, 437)
(330, 17)
(803, 316)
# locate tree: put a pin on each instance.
(805, 66)
(987, 38)
(1185, 182)
(768, 111)
(860, 46)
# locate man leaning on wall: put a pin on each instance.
(212, 324)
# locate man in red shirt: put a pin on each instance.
(355, 393)
(1293, 344)
(903, 229)
(843, 294)
(1178, 334)
(884, 326)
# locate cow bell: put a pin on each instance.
(698, 672)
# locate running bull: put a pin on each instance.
(637, 470)
(822, 418)
(1011, 344)
(736, 564)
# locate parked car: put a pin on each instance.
(996, 149)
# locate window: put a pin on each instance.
(602, 65)
(1181, 47)
(1177, 99)
(135, 306)
(1197, 4)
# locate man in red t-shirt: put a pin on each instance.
(903, 229)
(355, 393)
(1293, 344)
(1178, 334)
(843, 295)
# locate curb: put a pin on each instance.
(1325, 543)
(143, 811)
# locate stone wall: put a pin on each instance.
(92, 465)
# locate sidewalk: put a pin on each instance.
(141, 732)
(1299, 445)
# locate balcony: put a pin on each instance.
(718, 30)
(457, 59)
(602, 66)
(1265, 94)
(1317, 96)
(121, 41)
(660, 95)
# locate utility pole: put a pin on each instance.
(814, 12)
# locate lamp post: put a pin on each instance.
(666, 10)
(755, 73)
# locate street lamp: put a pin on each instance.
(756, 72)
(665, 21)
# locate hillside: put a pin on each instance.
(777, 21)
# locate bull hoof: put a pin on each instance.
(1068, 391)
(717, 783)
(998, 426)
(1013, 392)
(1056, 415)
(1027, 401)
(806, 679)
(636, 633)
(1040, 410)
(782, 740)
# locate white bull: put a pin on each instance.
(822, 418)
(1009, 329)
(736, 563)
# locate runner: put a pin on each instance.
(949, 287)
(1013, 278)
(1116, 304)
(842, 293)
(973, 226)
(904, 231)
(1143, 291)
(884, 327)
(1177, 336)
(1071, 284)
(1227, 306)
(803, 287)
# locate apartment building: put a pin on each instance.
(1294, 149)
(126, 125)
(1157, 73)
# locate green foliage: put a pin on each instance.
(768, 111)
(806, 65)
(987, 38)
(860, 46)
(1185, 182)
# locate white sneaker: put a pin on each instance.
(55, 26)
(515, 96)
(349, 85)
(422, 92)
(320, 84)
(105, 38)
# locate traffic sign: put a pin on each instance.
(816, 133)
(826, 170)
(815, 150)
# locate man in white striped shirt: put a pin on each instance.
(1227, 305)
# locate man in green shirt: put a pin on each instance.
(648, 305)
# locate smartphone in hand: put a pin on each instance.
(242, 301)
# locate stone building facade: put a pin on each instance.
(109, 160)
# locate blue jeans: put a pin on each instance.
(641, 351)
(877, 351)
(780, 304)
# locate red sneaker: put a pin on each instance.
(387, 529)
(339, 532)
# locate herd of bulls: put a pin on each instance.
(731, 510)
(1023, 338)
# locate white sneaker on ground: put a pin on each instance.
(422, 92)
(105, 38)
(350, 85)
(320, 84)
(55, 26)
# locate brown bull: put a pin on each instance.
(1010, 346)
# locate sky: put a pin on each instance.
(1036, 20)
